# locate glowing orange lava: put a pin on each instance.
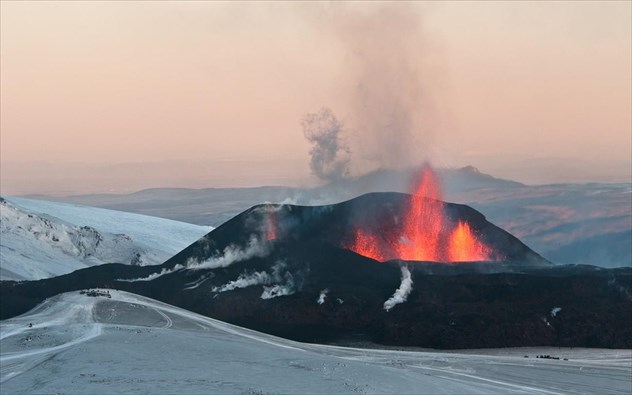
(368, 245)
(426, 234)
(271, 225)
(423, 223)
(465, 247)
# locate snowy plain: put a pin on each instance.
(133, 344)
(42, 239)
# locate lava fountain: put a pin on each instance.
(425, 234)
(271, 225)
(465, 247)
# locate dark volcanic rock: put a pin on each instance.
(334, 225)
(478, 304)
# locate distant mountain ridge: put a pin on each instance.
(213, 206)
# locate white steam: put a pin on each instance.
(555, 310)
(244, 281)
(232, 254)
(277, 290)
(277, 283)
(284, 283)
(153, 276)
(322, 296)
(401, 294)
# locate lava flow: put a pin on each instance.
(426, 234)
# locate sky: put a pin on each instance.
(120, 96)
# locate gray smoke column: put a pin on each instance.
(330, 153)
(390, 82)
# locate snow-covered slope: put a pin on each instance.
(42, 239)
(74, 343)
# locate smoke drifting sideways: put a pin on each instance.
(255, 248)
(275, 284)
(388, 91)
(231, 254)
(329, 154)
(152, 276)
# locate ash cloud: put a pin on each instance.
(401, 294)
(329, 156)
(390, 72)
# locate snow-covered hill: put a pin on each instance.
(75, 343)
(42, 239)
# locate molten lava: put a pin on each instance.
(426, 234)
(271, 232)
(465, 247)
(368, 245)
(424, 222)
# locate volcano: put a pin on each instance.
(379, 217)
(383, 227)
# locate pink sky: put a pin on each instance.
(90, 85)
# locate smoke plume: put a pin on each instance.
(322, 296)
(277, 283)
(389, 75)
(329, 154)
(244, 281)
(232, 254)
(285, 284)
(401, 294)
(277, 290)
(153, 276)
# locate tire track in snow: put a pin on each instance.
(17, 362)
(94, 331)
(210, 322)
(169, 323)
(496, 382)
